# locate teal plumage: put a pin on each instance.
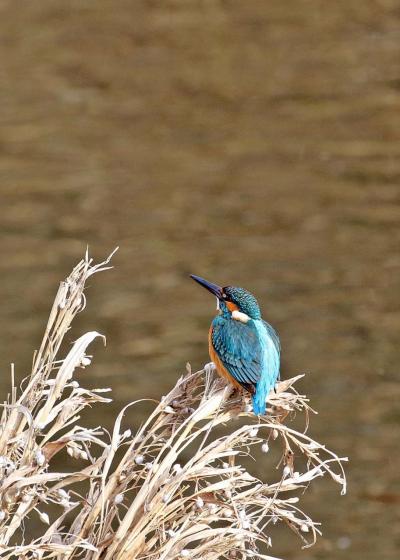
(245, 345)
(238, 347)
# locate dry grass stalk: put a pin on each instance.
(177, 488)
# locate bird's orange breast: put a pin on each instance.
(221, 369)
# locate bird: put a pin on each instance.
(244, 348)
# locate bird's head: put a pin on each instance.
(237, 302)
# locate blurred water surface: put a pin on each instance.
(254, 143)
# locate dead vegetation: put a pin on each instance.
(174, 488)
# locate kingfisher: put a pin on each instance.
(244, 348)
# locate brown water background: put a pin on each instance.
(254, 143)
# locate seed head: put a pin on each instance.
(44, 518)
(139, 459)
(199, 502)
(265, 447)
(171, 533)
(119, 498)
(40, 459)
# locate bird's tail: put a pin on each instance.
(259, 403)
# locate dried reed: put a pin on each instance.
(174, 488)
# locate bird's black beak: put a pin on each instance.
(213, 288)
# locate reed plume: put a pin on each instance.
(176, 487)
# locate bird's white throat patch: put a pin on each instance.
(239, 316)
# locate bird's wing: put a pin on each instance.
(238, 347)
(273, 335)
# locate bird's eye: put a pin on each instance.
(224, 296)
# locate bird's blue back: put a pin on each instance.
(250, 352)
